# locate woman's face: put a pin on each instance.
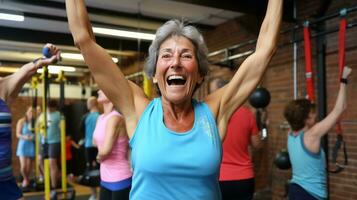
(101, 97)
(38, 110)
(311, 119)
(29, 113)
(177, 69)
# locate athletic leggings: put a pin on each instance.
(106, 194)
(237, 189)
(296, 192)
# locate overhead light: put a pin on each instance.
(122, 33)
(77, 56)
(55, 69)
(8, 69)
(12, 17)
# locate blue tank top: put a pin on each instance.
(89, 126)
(5, 142)
(309, 169)
(169, 165)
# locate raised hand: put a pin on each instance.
(346, 72)
(52, 55)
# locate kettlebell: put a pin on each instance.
(260, 98)
(282, 160)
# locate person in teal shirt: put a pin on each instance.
(308, 159)
(175, 139)
(53, 140)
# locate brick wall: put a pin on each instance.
(279, 81)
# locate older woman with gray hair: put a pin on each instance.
(175, 140)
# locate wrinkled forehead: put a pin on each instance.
(175, 42)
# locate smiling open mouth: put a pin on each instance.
(176, 80)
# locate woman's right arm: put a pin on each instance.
(313, 135)
(19, 125)
(106, 73)
(114, 127)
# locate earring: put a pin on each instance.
(154, 80)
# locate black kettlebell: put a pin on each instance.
(260, 98)
(282, 160)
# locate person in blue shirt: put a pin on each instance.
(88, 122)
(175, 139)
(308, 159)
(10, 86)
(25, 146)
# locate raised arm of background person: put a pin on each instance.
(226, 100)
(114, 127)
(11, 85)
(313, 135)
(103, 69)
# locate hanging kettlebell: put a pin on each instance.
(260, 98)
(282, 160)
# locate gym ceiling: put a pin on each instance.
(45, 21)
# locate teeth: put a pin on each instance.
(172, 77)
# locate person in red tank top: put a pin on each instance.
(236, 175)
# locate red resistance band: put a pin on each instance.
(308, 65)
(341, 61)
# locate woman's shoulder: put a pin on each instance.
(22, 120)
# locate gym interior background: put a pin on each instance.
(224, 24)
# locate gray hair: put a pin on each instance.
(177, 28)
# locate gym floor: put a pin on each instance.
(82, 193)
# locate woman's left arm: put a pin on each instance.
(112, 130)
(226, 100)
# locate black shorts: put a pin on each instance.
(90, 154)
(296, 192)
(42, 151)
(54, 150)
(237, 189)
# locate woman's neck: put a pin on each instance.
(178, 118)
(301, 130)
(177, 111)
(94, 109)
(107, 108)
(27, 120)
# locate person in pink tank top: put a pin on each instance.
(111, 139)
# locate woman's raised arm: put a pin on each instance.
(106, 73)
(226, 100)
